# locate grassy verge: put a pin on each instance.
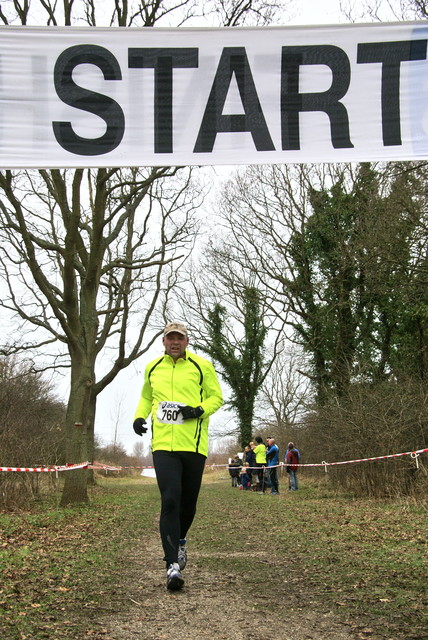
(62, 570)
(365, 560)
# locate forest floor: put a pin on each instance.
(305, 565)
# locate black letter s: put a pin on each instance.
(97, 103)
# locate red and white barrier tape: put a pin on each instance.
(103, 467)
(68, 467)
(108, 467)
(412, 454)
(99, 465)
(144, 467)
(65, 467)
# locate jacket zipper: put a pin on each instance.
(172, 398)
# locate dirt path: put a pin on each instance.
(213, 606)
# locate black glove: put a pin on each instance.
(191, 412)
(140, 426)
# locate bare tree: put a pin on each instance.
(383, 10)
(31, 430)
(145, 13)
(420, 6)
(138, 451)
(230, 321)
(285, 394)
(237, 12)
(80, 267)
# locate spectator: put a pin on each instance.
(234, 469)
(260, 455)
(272, 456)
(292, 459)
(245, 477)
(251, 459)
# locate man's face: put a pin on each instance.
(175, 344)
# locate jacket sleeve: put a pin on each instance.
(213, 397)
(145, 404)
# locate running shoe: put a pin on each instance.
(182, 555)
(174, 581)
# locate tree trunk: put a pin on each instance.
(79, 426)
(90, 435)
(245, 418)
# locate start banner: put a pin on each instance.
(105, 97)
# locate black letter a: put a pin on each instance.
(233, 61)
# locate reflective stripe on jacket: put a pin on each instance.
(192, 381)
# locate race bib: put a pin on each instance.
(169, 412)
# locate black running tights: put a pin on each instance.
(179, 477)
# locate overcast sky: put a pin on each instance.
(318, 12)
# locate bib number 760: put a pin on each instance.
(169, 412)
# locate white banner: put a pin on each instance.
(103, 97)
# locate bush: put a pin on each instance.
(371, 421)
(31, 432)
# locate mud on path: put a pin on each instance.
(215, 606)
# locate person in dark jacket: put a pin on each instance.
(292, 459)
(251, 459)
(234, 469)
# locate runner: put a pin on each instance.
(180, 392)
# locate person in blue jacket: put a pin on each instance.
(272, 457)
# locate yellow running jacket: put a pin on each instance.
(167, 385)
